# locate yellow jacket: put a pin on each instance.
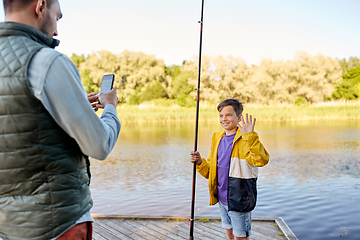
(247, 155)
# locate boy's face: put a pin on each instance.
(229, 120)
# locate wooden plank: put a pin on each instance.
(285, 229)
(214, 229)
(200, 232)
(105, 232)
(131, 230)
(143, 230)
(117, 228)
(182, 228)
(265, 235)
(162, 229)
(174, 227)
(264, 229)
(121, 227)
(97, 236)
(256, 235)
(178, 227)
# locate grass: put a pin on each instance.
(153, 113)
(304, 113)
(204, 219)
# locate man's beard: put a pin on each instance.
(46, 26)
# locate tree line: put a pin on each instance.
(305, 79)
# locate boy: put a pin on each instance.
(231, 168)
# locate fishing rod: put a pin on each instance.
(196, 128)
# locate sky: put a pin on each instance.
(251, 30)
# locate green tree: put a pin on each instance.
(80, 62)
(77, 60)
(232, 74)
(348, 64)
(153, 90)
(208, 85)
(173, 70)
(139, 69)
(181, 90)
(87, 81)
(349, 87)
(140, 77)
(181, 85)
(313, 77)
(267, 83)
(133, 70)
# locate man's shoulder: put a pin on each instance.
(48, 53)
(48, 57)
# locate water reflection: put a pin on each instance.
(158, 155)
(146, 156)
(312, 150)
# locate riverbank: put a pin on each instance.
(326, 111)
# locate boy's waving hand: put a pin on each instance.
(247, 126)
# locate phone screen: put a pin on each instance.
(107, 83)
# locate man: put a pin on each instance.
(47, 129)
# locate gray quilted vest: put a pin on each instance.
(43, 176)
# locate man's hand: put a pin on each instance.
(93, 99)
(247, 126)
(108, 98)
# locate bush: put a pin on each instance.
(185, 100)
(134, 99)
(300, 101)
(153, 91)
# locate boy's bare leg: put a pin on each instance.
(229, 233)
(241, 238)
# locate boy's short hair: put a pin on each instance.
(238, 107)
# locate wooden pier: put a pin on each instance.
(109, 227)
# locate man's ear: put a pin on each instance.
(40, 7)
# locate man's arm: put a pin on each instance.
(56, 82)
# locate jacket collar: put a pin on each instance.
(237, 136)
(14, 28)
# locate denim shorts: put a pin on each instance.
(239, 222)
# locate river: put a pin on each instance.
(312, 180)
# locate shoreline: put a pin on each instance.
(173, 114)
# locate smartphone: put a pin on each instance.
(107, 83)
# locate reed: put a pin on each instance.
(173, 113)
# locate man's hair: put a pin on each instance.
(15, 5)
(238, 107)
